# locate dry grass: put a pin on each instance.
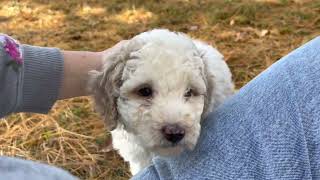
(251, 34)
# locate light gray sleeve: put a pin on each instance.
(34, 87)
(19, 169)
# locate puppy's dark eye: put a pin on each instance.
(145, 92)
(189, 93)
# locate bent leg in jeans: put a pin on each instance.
(269, 130)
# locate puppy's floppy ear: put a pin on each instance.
(105, 85)
(217, 77)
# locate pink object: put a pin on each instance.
(13, 50)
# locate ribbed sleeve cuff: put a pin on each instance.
(41, 79)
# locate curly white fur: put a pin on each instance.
(170, 63)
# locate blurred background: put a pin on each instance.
(250, 34)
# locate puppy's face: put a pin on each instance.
(156, 92)
(161, 98)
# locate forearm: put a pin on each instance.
(77, 64)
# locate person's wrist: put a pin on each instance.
(77, 65)
(98, 60)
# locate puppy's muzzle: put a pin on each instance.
(173, 133)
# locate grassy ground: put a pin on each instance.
(251, 34)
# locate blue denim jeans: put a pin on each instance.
(269, 130)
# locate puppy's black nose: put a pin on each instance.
(173, 133)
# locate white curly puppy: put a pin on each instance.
(155, 92)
